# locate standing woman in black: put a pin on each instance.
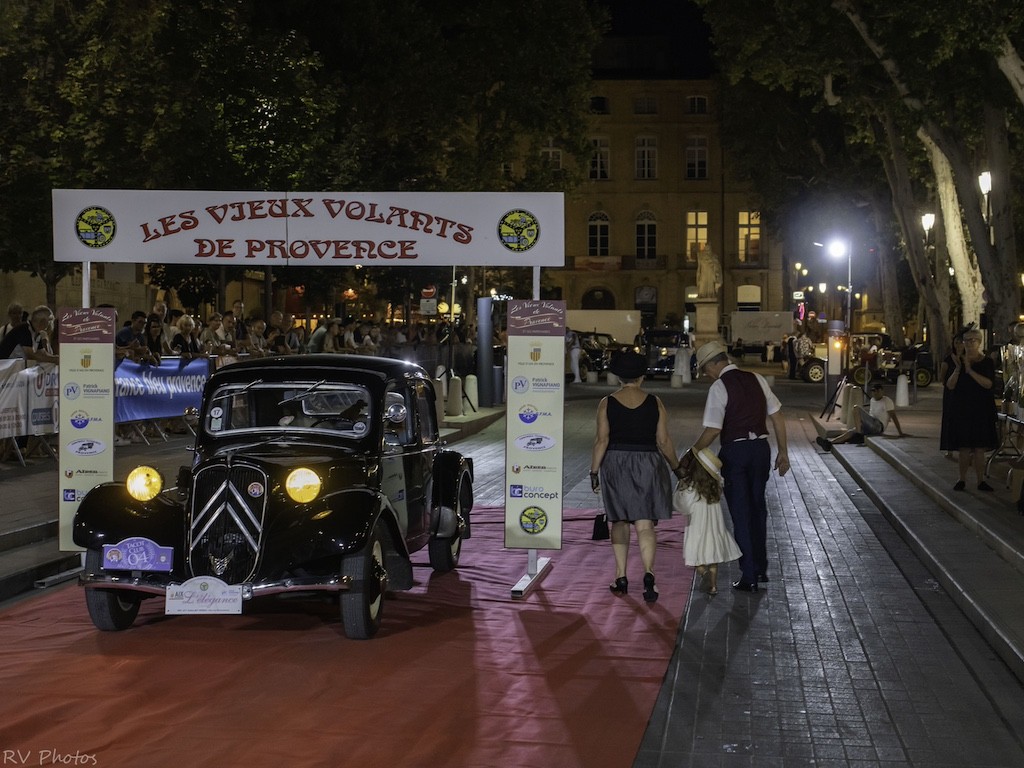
(945, 371)
(630, 464)
(974, 409)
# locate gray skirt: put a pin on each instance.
(636, 485)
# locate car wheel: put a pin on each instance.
(584, 368)
(814, 372)
(923, 377)
(445, 551)
(111, 610)
(363, 605)
(860, 377)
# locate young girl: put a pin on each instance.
(708, 542)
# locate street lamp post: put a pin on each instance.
(985, 184)
(836, 249)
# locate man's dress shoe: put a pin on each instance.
(745, 586)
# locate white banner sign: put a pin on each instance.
(309, 228)
(533, 437)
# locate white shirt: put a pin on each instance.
(880, 409)
(718, 397)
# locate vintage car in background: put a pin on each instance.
(599, 347)
(659, 346)
(873, 357)
(311, 474)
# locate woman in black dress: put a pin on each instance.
(628, 466)
(945, 371)
(974, 409)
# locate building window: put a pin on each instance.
(508, 170)
(697, 105)
(552, 155)
(697, 157)
(646, 235)
(645, 105)
(646, 157)
(696, 234)
(600, 156)
(599, 105)
(597, 234)
(749, 237)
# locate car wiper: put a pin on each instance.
(305, 393)
(232, 392)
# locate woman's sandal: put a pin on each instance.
(650, 591)
(620, 587)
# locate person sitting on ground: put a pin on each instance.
(872, 421)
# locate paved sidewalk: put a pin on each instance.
(854, 655)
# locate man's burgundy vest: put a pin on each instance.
(746, 409)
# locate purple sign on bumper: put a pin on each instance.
(137, 553)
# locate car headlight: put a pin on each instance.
(303, 485)
(144, 483)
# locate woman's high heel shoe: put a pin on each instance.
(620, 587)
(650, 591)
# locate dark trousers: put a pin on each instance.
(746, 465)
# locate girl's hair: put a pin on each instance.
(702, 481)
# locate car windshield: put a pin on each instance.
(341, 409)
(663, 338)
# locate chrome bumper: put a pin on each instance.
(249, 591)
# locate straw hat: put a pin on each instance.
(707, 351)
(711, 463)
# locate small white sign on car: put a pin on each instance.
(203, 594)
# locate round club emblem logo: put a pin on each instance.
(95, 227)
(518, 230)
(533, 520)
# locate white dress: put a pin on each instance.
(707, 539)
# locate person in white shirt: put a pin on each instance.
(873, 421)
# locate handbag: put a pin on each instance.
(600, 527)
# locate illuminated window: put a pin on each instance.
(749, 237)
(696, 234)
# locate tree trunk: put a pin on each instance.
(965, 266)
(897, 169)
(1011, 66)
(891, 311)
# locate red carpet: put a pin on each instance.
(460, 674)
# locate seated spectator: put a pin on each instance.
(324, 337)
(211, 337)
(131, 339)
(185, 343)
(30, 340)
(872, 421)
(15, 316)
(153, 349)
(228, 334)
(258, 345)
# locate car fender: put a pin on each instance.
(108, 515)
(453, 475)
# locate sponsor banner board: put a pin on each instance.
(534, 424)
(309, 228)
(86, 420)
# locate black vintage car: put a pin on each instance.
(311, 474)
(660, 346)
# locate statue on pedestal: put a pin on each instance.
(709, 273)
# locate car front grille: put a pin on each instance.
(226, 522)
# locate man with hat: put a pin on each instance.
(873, 421)
(738, 407)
